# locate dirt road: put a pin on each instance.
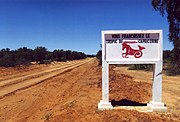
(70, 92)
(21, 82)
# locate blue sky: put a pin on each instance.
(73, 24)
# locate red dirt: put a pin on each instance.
(74, 95)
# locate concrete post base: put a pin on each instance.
(104, 105)
(157, 106)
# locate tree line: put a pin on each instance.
(24, 55)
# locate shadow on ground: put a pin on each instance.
(125, 102)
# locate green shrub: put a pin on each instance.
(172, 69)
(99, 56)
(146, 67)
(23, 56)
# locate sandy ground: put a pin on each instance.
(12, 85)
(171, 89)
(72, 93)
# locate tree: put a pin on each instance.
(99, 56)
(68, 54)
(24, 55)
(8, 58)
(172, 8)
(40, 54)
(58, 55)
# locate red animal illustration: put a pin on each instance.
(130, 51)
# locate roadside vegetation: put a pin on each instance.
(167, 64)
(167, 57)
(171, 10)
(24, 56)
(99, 56)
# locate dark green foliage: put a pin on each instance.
(99, 56)
(47, 61)
(23, 56)
(172, 8)
(91, 56)
(146, 67)
(49, 56)
(7, 58)
(173, 67)
(167, 56)
(60, 55)
(40, 54)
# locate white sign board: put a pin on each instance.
(132, 47)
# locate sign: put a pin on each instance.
(132, 47)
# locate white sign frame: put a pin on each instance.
(156, 103)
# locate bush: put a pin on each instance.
(99, 56)
(172, 69)
(146, 67)
(47, 61)
(7, 62)
(7, 58)
(40, 54)
(23, 56)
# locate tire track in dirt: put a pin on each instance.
(73, 96)
(69, 93)
(37, 70)
(10, 89)
(30, 76)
